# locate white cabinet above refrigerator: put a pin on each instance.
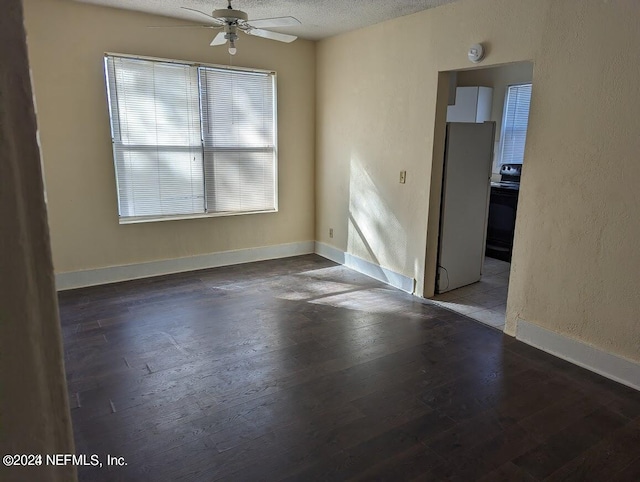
(473, 104)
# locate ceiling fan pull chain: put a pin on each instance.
(233, 96)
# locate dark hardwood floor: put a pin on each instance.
(300, 369)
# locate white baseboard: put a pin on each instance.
(368, 268)
(329, 252)
(606, 364)
(113, 274)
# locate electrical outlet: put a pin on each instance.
(403, 177)
(331, 232)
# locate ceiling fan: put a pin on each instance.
(233, 21)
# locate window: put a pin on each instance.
(514, 124)
(191, 140)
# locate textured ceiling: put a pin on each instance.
(320, 18)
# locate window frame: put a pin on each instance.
(505, 109)
(175, 217)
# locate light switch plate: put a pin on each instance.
(403, 177)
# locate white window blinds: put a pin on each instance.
(191, 140)
(155, 118)
(238, 132)
(514, 124)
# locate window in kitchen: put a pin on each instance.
(191, 140)
(514, 124)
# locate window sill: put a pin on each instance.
(176, 217)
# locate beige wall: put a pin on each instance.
(66, 43)
(576, 266)
(498, 78)
(34, 412)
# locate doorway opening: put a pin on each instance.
(484, 124)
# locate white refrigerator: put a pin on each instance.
(465, 202)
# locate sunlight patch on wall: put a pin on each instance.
(374, 232)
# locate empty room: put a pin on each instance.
(302, 240)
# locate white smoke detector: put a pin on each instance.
(476, 53)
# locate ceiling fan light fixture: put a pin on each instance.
(231, 36)
(232, 47)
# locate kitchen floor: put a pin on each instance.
(484, 301)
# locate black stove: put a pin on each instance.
(510, 173)
(507, 185)
(503, 206)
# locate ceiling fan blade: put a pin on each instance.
(274, 22)
(183, 26)
(281, 37)
(215, 20)
(219, 39)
